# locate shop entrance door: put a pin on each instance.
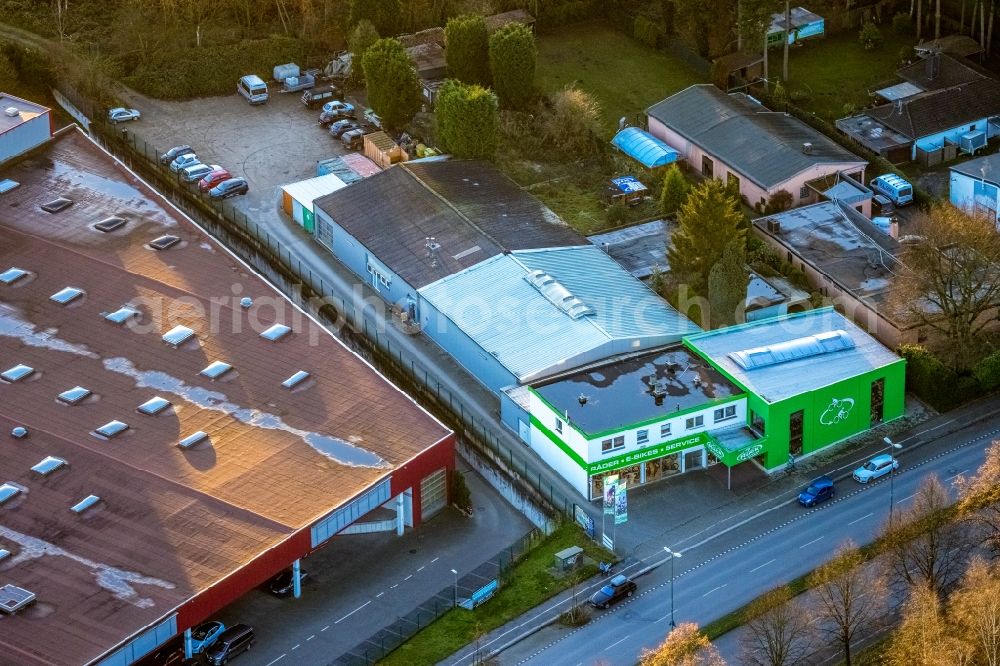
(694, 459)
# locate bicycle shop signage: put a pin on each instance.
(648, 453)
(730, 458)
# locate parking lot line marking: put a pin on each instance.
(421, 569)
(868, 515)
(762, 566)
(810, 543)
(353, 611)
(616, 643)
(275, 661)
(311, 637)
(900, 501)
(323, 629)
(408, 577)
(712, 590)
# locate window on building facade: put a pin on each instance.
(641, 436)
(725, 413)
(665, 430)
(695, 422)
(613, 444)
(559, 426)
(803, 192)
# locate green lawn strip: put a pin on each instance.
(528, 584)
(836, 70)
(736, 618)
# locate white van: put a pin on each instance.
(253, 88)
(898, 190)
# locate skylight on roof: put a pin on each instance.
(178, 335)
(109, 224)
(85, 503)
(276, 332)
(164, 242)
(64, 296)
(4, 554)
(122, 314)
(48, 465)
(112, 429)
(73, 395)
(12, 275)
(792, 350)
(8, 491)
(17, 373)
(191, 440)
(558, 295)
(56, 205)
(295, 379)
(216, 369)
(153, 406)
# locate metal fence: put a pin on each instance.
(356, 327)
(391, 637)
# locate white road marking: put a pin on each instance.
(275, 661)
(955, 475)
(714, 589)
(762, 566)
(408, 577)
(810, 543)
(353, 611)
(616, 643)
(297, 646)
(900, 501)
(325, 628)
(861, 518)
(435, 560)
(393, 587)
(310, 638)
(379, 595)
(420, 569)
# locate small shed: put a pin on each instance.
(627, 189)
(644, 148)
(297, 198)
(382, 150)
(428, 60)
(804, 24)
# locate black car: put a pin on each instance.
(235, 640)
(319, 95)
(229, 188)
(281, 585)
(819, 490)
(616, 589)
(338, 128)
(327, 117)
(173, 153)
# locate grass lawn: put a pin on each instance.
(623, 75)
(835, 70)
(530, 584)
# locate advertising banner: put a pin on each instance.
(610, 482)
(621, 503)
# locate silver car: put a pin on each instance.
(181, 161)
(876, 467)
(121, 114)
(194, 172)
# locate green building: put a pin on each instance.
(748, 394)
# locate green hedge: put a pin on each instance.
(646, 31)
(934, 382)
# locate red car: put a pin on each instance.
(213, 179)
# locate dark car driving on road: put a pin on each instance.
(819, 490)
(616, 589)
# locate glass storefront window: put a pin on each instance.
(670, 464)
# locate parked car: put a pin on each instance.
(337, 106)
(195, 172)
(876, 467)
(354, 139)
(898, 190)
(819, 490)
(234, 641)
(173, 153)
(319, 95)
(617, 589)
(253, 88)
(205, 634)
(372, 118)
(281, 585)
(121, 115)
(184, 160)
(229, 188)
(213, 179)
(338, 128)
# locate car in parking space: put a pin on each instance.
(372, 118)
(195, 172)
(319, 95)
(335, 110)
(173, 153)
(820, 490)
(214, 178)
(617, 588)
(205, 634)
(877, 467)
(121, 114)
(281, 585)
(234, 641)
(184, 160)
(229, 188)
(338, 128)
(354, 139)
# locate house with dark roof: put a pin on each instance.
(975, 186)
(945, 105)
(734, 138)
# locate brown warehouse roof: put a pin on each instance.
(170, 521)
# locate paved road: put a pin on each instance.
(724, 573)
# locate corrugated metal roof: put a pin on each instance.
(765, 146)
(644, 147)
(509, 318)
(307, 191)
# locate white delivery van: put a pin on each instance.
(896, 189)
(253, 88)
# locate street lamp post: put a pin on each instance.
(890, 446)
(455, 597)
(673, 556)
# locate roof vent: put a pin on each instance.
(66, 296)
(8, 491)
(13, 598)
(216, 369)
(85, 503)
(12, 111)
(19, 432)
(56, 205)
(582, 399)
(807, 148)
(246, 302)
(178, 335)
(112, 429)
(191, 440)
(153, 406)
(109, 224)
(121, 315)
(276, 332)
(48, 465)
(774, 227)
(164, 242)
(17, 373)
(12, 275)
(74, 395)
(295, 379)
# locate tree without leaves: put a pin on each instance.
(979, 499)
(467, 120)
(924, 637)
(573, 124)
(727, 286)
(512, 64)
(709, 219)
(777, 631)
(683, 646)
(851, 595)
(675, 190)
(383, 14)
(393, 87)
(467, 49)
(975, 612)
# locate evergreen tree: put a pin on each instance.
(512, 63)
(467, 120)
(727, 286)
(393, 87)
(709, 219)
(384, 14)
(675, 190)
(363, 36)
(467, 49)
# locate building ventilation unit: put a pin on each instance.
(558, 295)
(792, 350)
(13, 598)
